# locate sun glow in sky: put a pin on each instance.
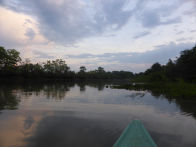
(115, 34)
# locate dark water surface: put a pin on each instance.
(89, 114)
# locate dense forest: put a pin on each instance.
(11, 66)
(174, 80)
(183, 68)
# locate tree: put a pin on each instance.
(101, 70)
(82, 69)
(186, 64)
(3, 56)
(156, 67)
(170, 70)
(8, 58)
(13, 57)
(82, 73)
(56, 67)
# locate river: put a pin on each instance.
(86, 114)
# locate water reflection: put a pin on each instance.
(186, 105)
(8, 98)
(71, 131)
(89, 114)
(137, 94)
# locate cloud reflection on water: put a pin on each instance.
(60, 115)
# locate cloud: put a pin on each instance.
(193, 10)
(152, 18)
(43, 55)
(69, 21)
(18, 30)
(129, 61)
(142, 34)
(179, 32)
(80, 56)
(11, 28)
(193, 1)
(184, 39)
(160, 54)
(30, 33)
(112, 13)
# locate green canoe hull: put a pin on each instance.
(135, 135)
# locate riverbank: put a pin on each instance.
(171, 90)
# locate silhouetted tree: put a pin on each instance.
(183, 68)
(56, 67)
(82, 69)
(186, 64)
(3, 57)
(101, 70)
(8, 61)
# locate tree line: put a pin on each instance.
(12, 66)
(182, 68)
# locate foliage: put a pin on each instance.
(8, 59)
(82, 69)
(100, 73)
(183, 68)
(172, 90)
(186, 64)
(10, 67)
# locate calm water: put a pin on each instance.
(89, 114)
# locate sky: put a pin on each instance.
(127, 35)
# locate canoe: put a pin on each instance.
(135, 135)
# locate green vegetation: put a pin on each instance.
(11, 66)
(175, 80)
(171, 90)
(183, 68)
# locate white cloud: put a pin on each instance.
(67, 21)
(47, 28)
(133, 61)
(18, 30)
